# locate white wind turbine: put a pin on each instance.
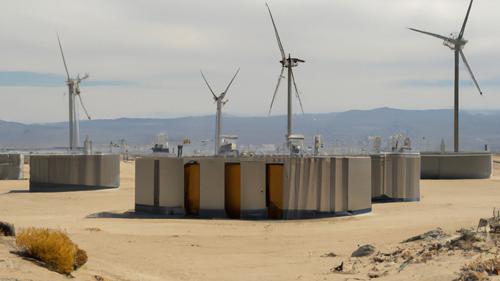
(73, 92)
(456, 44)
(220, 101)
(288, 63)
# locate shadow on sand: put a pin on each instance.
(131, 214)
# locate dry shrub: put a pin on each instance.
(53, 247)
(93, 229)
(7, 229)
(80, 258)
(490, 266)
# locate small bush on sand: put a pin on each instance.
(7, 229)
(80, 258)
(52, 247)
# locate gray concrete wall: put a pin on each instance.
(74, 172)
(456, 165)
(11, 166)
(313, 186)
(171, 185)
(358, 184)
(339, 181)
(144, 181)
(316, 187)
(159, 185)
(253, 189)
(212, 187)
(395, 177)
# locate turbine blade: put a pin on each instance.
(470, 72)
(62, 54)
(229, 85)
(283, 56)
(276, 89)
(297, 92)
(465, 21)
(431, 34)
(83, 106)
(210, 88)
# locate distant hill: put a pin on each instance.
(350, 128)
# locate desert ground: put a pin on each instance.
(131, 248)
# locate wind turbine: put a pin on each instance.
(456, 43)
(288, 63)
(220, 101)
(73, 92)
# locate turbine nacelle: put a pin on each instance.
(293, 62)
(455, 42)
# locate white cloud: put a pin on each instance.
(358, 53)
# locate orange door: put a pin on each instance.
(192, 188)
(274, 191)
(233, 190)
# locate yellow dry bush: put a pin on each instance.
(53, 247)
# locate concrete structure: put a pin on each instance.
(212, 183)
(255, 188)
(71, 172)
(158, 188)
(11, 166)
(321, 187)
(395, 177)
(463, 165)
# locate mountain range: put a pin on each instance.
(351, 128)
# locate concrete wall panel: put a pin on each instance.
(74, 172)
(359, 184)
(144, 181)
(171, 185)
(253, 189)
(456, 165)
(11, 166)
(212, 192)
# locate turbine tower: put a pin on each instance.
(456, 43)
(220, 101)
(288, 63)
(73, 92)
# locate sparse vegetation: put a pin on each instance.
(7, 229)
(52, 247)
(93, 229)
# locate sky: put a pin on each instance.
(144, 57)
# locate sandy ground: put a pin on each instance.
(172, 249)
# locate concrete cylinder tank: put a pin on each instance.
(462, 165)
(395, 177)
(71, 172)
(254, 188)
(11, 166)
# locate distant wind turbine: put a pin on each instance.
(219, 100)
(73, 92)
(456, 43)
(287, 63)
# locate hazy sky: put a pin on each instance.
(144, 57)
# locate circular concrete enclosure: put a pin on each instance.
(70, 172)
(462, 165)
(253, 188)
